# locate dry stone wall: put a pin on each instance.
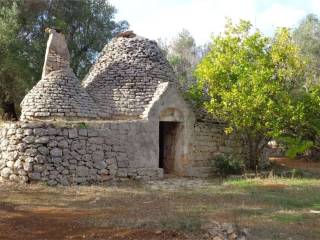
(77, 154)
(208, 141)
(57, 53)
(124, 79)
(59, 95)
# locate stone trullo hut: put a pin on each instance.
(127, 119)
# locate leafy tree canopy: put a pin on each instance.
(307, 36)
(87, 24)
(250, 81)
(183, 54)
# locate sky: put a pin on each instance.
(164, 19)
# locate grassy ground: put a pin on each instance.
(271, 208)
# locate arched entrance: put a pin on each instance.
(170, 139)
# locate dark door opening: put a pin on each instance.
(167, 145)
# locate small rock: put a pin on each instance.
(73, 133)
(28, 139)
(233, 236)
(218, 238)
(63, 144)
(42, 140)
(99, 165)
(43, 150)
(52, 182)
(14, 178)
(6, 172)
(246, 232)
(10, 164)
(83, 132)
(40, 159)
(213, 231)
(82, 171)
(35, 176)
(27, 166)
(56, 152)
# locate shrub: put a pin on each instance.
(227, 165)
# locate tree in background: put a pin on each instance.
(304, 133)
(307, 36)
(15, 73)
(183, 54)
(87, 24)
(183, 57)
(250, 81)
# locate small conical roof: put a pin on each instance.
(58, 95)
(124, 79)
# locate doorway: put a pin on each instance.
(168, 132)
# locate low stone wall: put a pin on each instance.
(79, 152)
(208, 141)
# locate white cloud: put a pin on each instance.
(165, 18)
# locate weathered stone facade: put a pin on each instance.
(57, 53)
(92, 152)
(128, 119)
(210, 140)
(59, 95)
(125, 77)
(77, 153)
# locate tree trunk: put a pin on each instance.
(250, 156)
(315, 154)
(9, 111)
(256, 145)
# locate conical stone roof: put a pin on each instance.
(124, 79)
(58, 95)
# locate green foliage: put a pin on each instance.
(183, 54)
(249, 79)
(307, 36)
(15, 72)
(303, 131)
(82, 125)
(295, 146)
(87, 24)
(289, 218)
(227, 165)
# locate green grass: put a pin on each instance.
(289, 218)
(275, 208)
(283, 193)
(185, 223)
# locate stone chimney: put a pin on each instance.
(57, 53)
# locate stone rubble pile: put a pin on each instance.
(224, 231)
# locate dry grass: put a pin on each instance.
(271, 208)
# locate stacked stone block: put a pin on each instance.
(74, 154)
(57, 53)
(125, 77)
(208, 141)
(59, 95)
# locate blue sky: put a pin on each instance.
(166, 18)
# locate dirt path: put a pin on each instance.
(302, 164)
(58, 223)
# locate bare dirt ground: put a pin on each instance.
(302, 164)
(169, 209)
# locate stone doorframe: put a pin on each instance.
(174, 115)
